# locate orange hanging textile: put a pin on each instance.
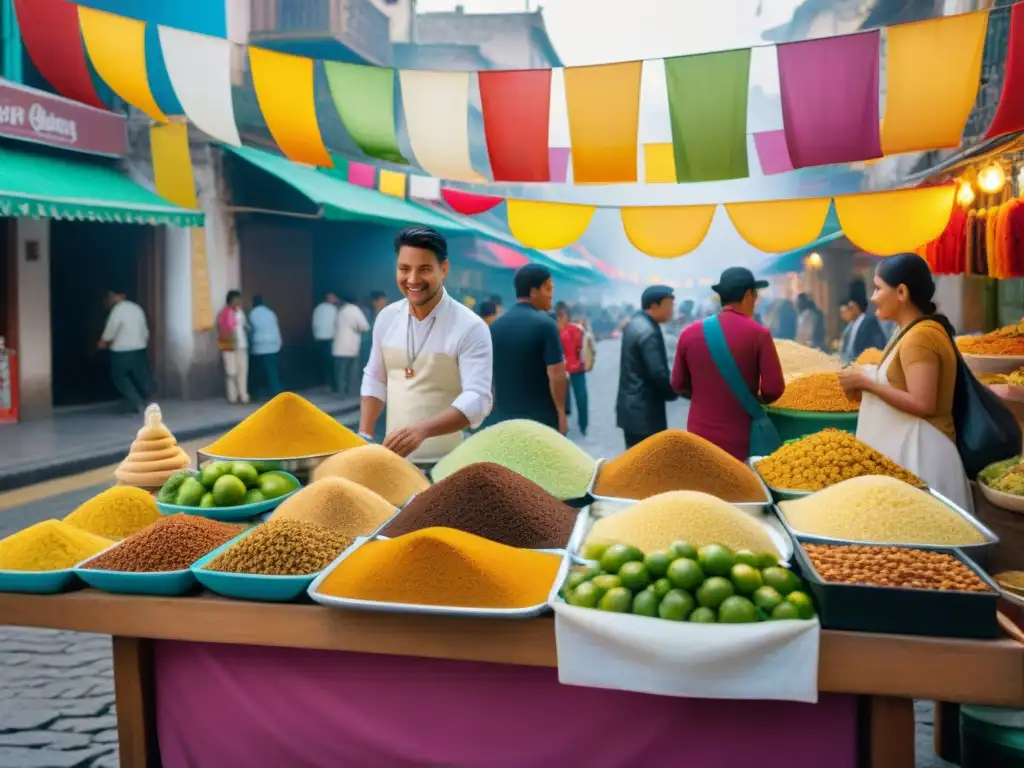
(604, 117)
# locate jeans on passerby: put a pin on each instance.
(325, 363)
(129, 372)
(346, 374)
(578, 390)
(265, 374)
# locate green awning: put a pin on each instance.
(341, 201)
(49, 186)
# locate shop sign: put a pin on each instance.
(30, 115)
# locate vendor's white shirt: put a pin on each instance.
(451, 330)
(325, 316)
(348, 331)
(241, 334)
(126, 329)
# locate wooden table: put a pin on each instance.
(889, 670)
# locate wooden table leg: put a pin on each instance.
(947, 731)
(888, 741)
(136, 707)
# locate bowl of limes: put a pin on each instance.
(230, 491)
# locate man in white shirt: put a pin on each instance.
(431, 358)
(325, 318)
(349, 328)
(126, 335)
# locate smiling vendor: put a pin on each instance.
(430, 361)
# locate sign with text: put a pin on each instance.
(31, 115)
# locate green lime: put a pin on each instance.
(662, 587)
(746, 557)
(745, 578)
(715, 559)
(228, 491)
(714, 591)
(580, 575)
(766, 598)
(245, 472)
(273, 485)
(767, 559)
(606, 581)
(207, 501)
(253, 496)
(634, 576)
(802, 602)
(657, 564)
(685, 574)
(168, 493)
(781, 579)
(702, 615)
(265, 466)
(190, 493)
(737, 610)
(676, 605)
(209, 474)
(617, 600)
(784, 611)
(585, 595)
(593, 550)
(617, 555)
(681, 549)
(646, 603)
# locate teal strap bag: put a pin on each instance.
(764, 437)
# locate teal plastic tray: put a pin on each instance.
(157, 583)
(38, 582)
(250, 586)
(237, 514)
(792, 425)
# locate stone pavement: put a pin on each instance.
(56, 691)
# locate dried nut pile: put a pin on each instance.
(893, 567)
(283, 548)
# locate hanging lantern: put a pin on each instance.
(964, 193)
(991, 178)
(813, 261)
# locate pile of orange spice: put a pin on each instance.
(1002, 342)
(816, 392)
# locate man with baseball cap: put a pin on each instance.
(727, 366)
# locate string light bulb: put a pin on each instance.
(991, 178)
(965, 193)
(813, 261)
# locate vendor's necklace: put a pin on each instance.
(410, 345)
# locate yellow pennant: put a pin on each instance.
(172, 164)
(669, 231)
(547, 226)
(392, 183)
(659, 164)
(886, 223)
(779, 225)
(604, 116)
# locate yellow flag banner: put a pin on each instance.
(604, 116)
(932, 69)
(392, 183)
(117, 50)
(886, 223)
(659, 164)
(202, 297)
(172, 164)
(547, 226)
(284, 90)
(669, 231)
(779, 225)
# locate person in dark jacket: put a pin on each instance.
(645, 382)
(862, 331)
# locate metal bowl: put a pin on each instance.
(300, 466)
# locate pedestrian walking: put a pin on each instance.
(644, 380)
(488, 312)
(727, 366)
(266, 344)
(126, 335)
(325, 319)
(233, 341)
(529, 366)
(348, 338)
(572, 348)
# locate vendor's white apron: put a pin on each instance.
(431, 390)
(912, 442)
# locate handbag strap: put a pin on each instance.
(726, 364)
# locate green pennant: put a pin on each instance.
(707, 99)
(365, 99)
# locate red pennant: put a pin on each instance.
(54, 43)
(468, 203)
(1010, 112)
(516, 107)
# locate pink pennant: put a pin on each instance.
(469, 203)
(772, 152)
(362, 175)
(507, 257)
(558, 161)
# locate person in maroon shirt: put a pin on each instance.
(715, 412)
(572, 346)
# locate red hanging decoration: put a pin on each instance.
(469, 203)
(1010, 112)
(54, 43)
(516, 107)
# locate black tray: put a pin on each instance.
(902, 610)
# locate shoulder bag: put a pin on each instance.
(764, 437)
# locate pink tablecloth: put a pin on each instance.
(227, 705)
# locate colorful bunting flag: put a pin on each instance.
(1009, 116)
(468, 203)
(365, 100)
(392, 183)
(172, 164)
(659, 164)
(117, 49)
(199, 68)
(779, 225)
(424, 188)
(931, 79)
(517, 110)
(830, 99)
(362, 175)
(707, 100)
(156, 74)
(50, 31)
(284, 90)
(546, 226)
(886, 223)
(772, 152)
(669, 231)
(558, 161)
(436, 108)
(604, 116)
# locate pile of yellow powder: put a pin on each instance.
(116, 513)
(51, 545)
(375, 467)
(816, 392)
(798, 360)
(879, 509)
(338, 505)
(691, 516)
(870, 356)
